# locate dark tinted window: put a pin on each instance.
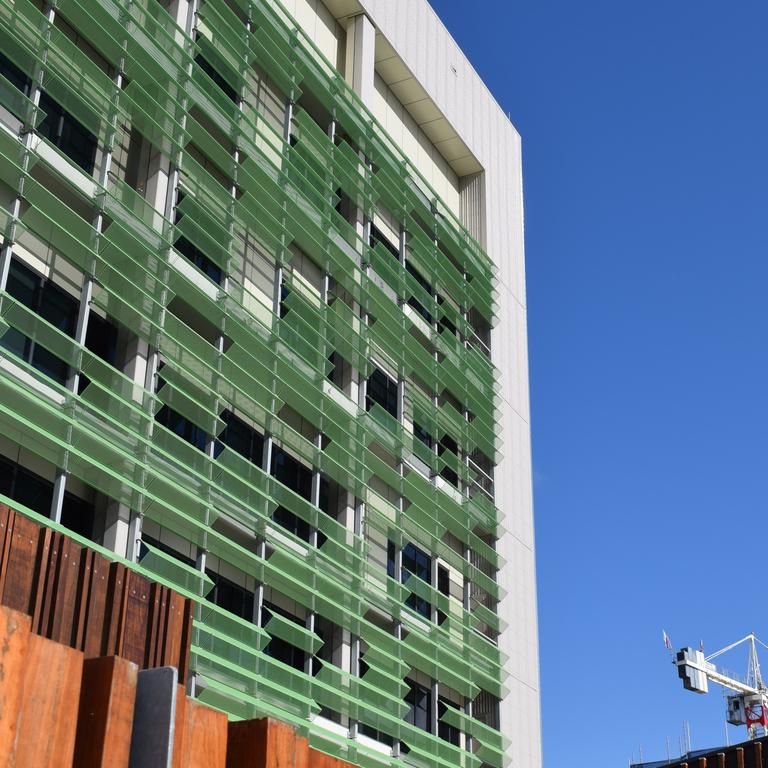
(157, 544)
(291, 473)
(50, 302)
(382, 390)
(447, 472)
(67, 133)
(101, 338)
(291, 522)
(242, 438)
(230, 596)
(185, 247)
(15, 75)
(415, 303)
(449, 733)
(78, 515)
(419, 563)
(280, 649)
(26, 487)
(419, 703)
(377, 236)
(423, 435)
(182, 426)
(209, 70)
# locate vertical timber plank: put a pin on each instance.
(136, 631)
(105, 717)
(51, 694)
(266, 743)
(204, 742)
(321, 760)
(180, 720)
(21, 570)
(14, 643)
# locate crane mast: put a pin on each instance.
(749, 704)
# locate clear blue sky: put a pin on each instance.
(645, 150)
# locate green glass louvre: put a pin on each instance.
(260, 305)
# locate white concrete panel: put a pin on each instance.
(320, 25)
(402, 127)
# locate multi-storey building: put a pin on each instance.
(262, 335)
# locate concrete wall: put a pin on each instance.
(414, 142)
(321, 26)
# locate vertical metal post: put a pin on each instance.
(433, 701)
(433, 571)
(309, 661)
(258, 601)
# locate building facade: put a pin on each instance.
(262, 337)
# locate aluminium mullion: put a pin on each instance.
(467, 604)
(398, 626)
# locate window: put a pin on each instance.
(31, 490)
(230, 596)
(421, 434)
(377, 236)
(277, 648)
(447, 472)
(25, 487)
(209, 70)
(101, 338)
(164, 548)
(415, 303)
(369, 730)
(341, 371)
(483, 466)
(78, 515)
(16, 76)
(200, 323)
(391, 559)
(59, 126)
(485, 708)
(418, 563)
(291, 473)
(291, 522)
(298, 478)
(185, 247)
(446, 732)
(481, 336)
(50, 302)
(444, 588)
(383, 391)
(181, 426)
(419, 701)
(332, 636)
(67, 133)
(445, 324)
(285, 292)
(242, 439)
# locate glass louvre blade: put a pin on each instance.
(285, 193)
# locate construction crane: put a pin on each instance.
(749, 704)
